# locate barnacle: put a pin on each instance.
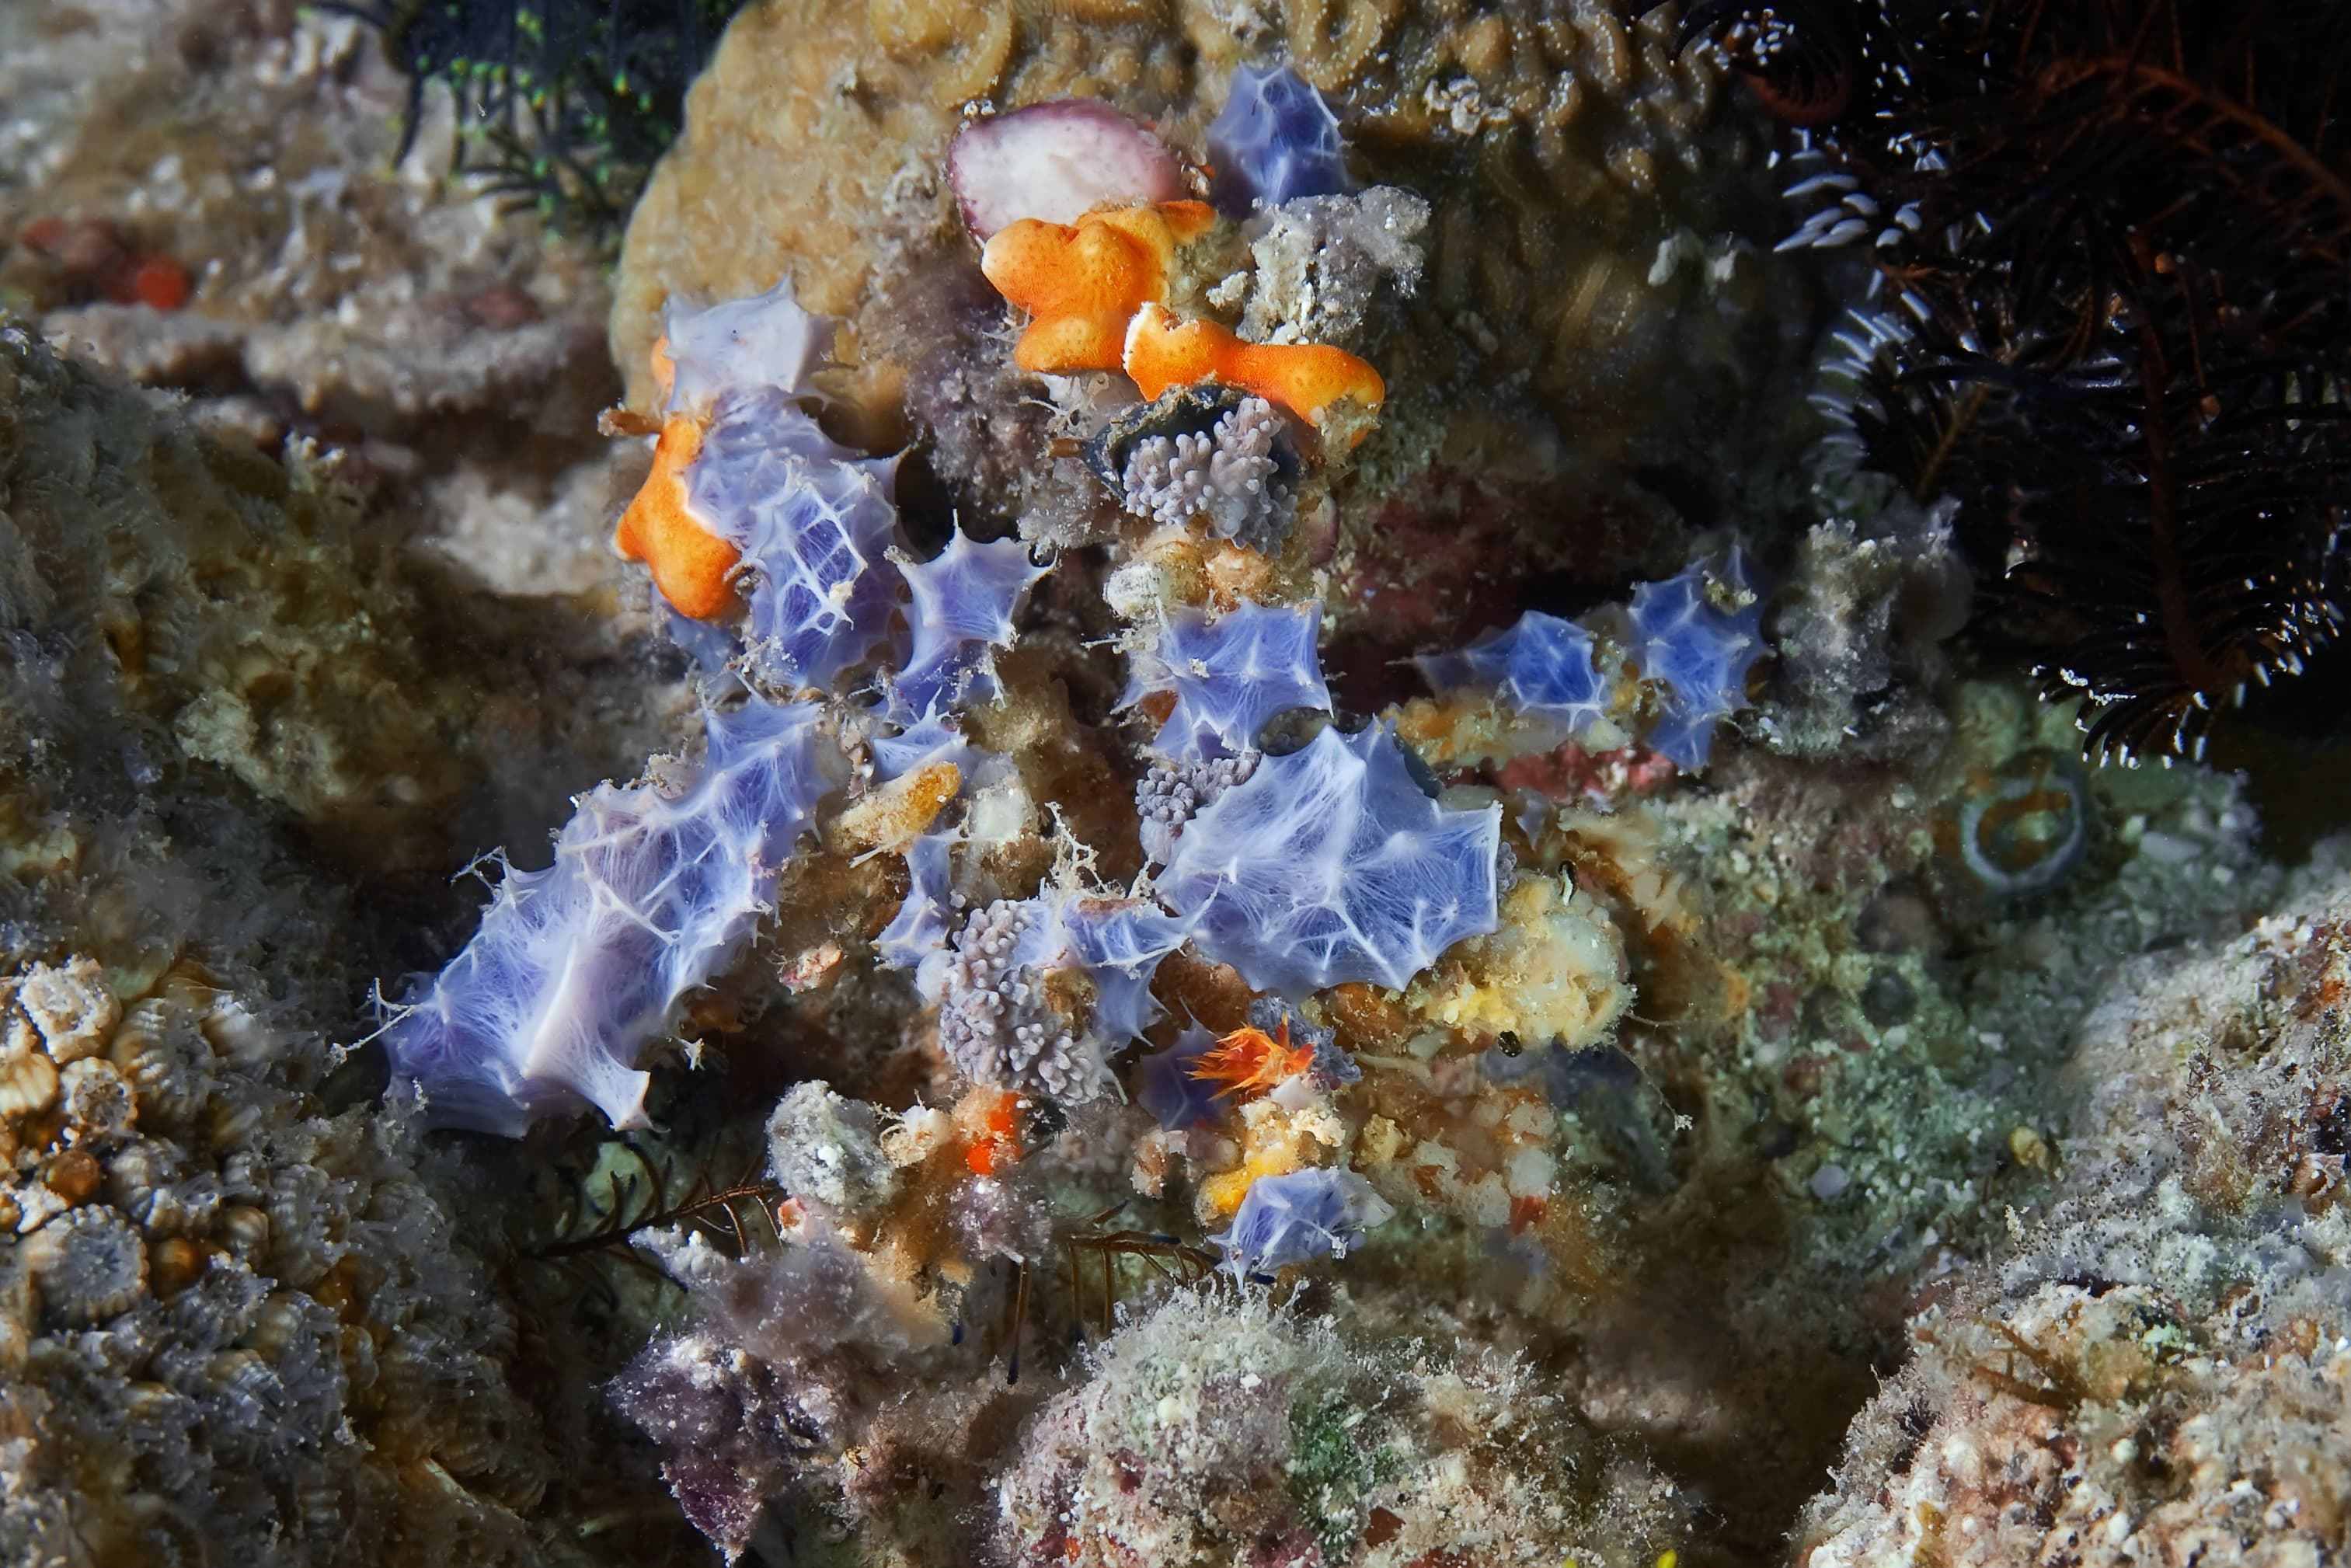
(98, 1100)
(157, 1048)
(69, 1004)
(307, 1221)
(28, 1084)
(89, 1265)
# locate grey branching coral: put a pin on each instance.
(993, 1022)
(1229, 477)
(1172, 791)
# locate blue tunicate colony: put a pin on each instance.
(1698, 634)
(1541, 665)
(1328, 866)
(1165, 1084)
(1694, 637)
(1303, 868)
(1275, 141)
(577, 968)
(1229, 676)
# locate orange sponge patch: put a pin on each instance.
(1083, 282)
(692, 566)
(1307, 379)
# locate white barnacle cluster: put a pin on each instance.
(178, 1298)
(1228, 476)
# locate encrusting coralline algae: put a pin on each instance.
(1306, 888)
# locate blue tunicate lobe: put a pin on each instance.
(577, 968)
(1297, 1217)
(1698, 634)
(1695, 636)
(1275, 141)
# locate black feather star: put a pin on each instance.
(2113, 241)
(562, 103)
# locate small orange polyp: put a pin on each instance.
(1307, 379)
(692, 566)
(1249, 1061)
(1082, 282)
(990, 1119)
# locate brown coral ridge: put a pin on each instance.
(217, 643)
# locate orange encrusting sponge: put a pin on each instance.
(1307, 379)
(692, 566)
(1082, 282)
